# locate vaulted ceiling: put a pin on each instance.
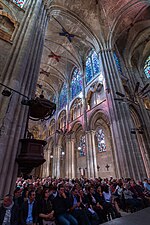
(90, 24)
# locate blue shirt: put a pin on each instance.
(30, 208)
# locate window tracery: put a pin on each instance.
(63, 96)
(76, 109)
(118, 63)
(62, 119)
(76, 83)
(147, 68)
(92, 66)
(82, 146)
(100, 140)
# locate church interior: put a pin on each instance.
(74, 89)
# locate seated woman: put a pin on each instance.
(46, 212)
(108, 206)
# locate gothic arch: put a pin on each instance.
(76, 109)
(62, 119)
(99, 123)
(95, 43)
(96, 115)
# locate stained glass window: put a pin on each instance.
(76, 83)
(82, 146)
(20, 3)
(147, 67)
(92, 66)
(63, 96)
(100, 136)
(118, 63)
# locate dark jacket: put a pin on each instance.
(60, 205)
(14, 215)
(24, 212)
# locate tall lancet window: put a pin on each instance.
(20, 3)
(118, 63)
(100, 140)
(76, 83)
(82, 146)
(147, 68)
(63, 96)
(92, 66)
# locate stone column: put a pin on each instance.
(48, 163)
(72, 159)
(127, 162)
(85, 119)
(20, 73)
(90, 143)
(67, 156)
(58, 161)
(54, 162)
(94, 153)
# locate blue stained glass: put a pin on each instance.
(76, 83)
(89, 72)
(101, 140)
(92, 66)
(147, 67)
(96, 64)
(82, 146)
(118, 63)
(63, 96)
(20, 3)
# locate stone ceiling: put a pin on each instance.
(97, 24)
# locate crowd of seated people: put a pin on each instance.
(83, 201)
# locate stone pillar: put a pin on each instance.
(127, 162)
(58, 161)
(48, 163)
(20, 73)
(70, 158)
(54, 162)
(67, 157)
(85, 119)
(94, 153)
(90, 143)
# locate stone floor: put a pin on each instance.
(141, 217)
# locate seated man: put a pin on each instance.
(8, 212)
(77, 209)
(29, 211)
(61, 206)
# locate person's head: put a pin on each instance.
(132, 183)
(46, 193)
(91, 190)
(7, 201)
(67, 186)
(99, 189)
(61, 189)
(17, 192)
(106, 188)
(74, 191)
(31, 195)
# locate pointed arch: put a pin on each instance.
(92, 66)
(76, 83)
(63, 96)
